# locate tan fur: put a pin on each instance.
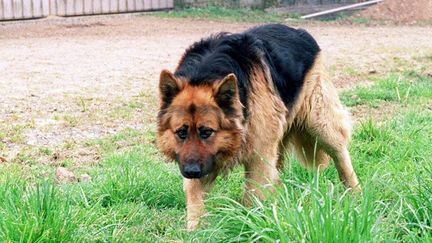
(321, 127)
(316, 128)
(266, 111)
(195, 192)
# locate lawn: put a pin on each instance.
(134, 196)
(226, 14)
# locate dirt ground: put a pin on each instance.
(400, 11)
(65, 81)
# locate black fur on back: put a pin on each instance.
(288, 53)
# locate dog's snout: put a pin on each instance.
(192, 170)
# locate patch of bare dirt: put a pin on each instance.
(64, 81)
(382, 113)
(400, 11)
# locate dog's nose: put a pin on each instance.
(192, 170)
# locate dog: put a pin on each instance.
(246, 99)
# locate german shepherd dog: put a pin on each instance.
(244, 99)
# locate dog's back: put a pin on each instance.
(288, 53)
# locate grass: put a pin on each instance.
(393, 161)
(360, 20)
(407, 88)
(238, 14)
(71, 120)
(227, 14)
(42, 214)
(13, 133)
(135, 197)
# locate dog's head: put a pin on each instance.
(199, 126)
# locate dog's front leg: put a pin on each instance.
(194, 202)
(195, 190)
(261, 174)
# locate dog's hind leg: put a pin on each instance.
(308, 150)
(331, 125)
(314, 151)
(195, 190)
(325, 119)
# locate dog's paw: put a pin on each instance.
(192, 225)
(356, 189)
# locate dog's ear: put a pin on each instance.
(226, 92)
(169, 87)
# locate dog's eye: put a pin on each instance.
(182, 133)
(205, 133)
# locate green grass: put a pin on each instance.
(394, 165)
(13, 133)
(135, 197)
(408, 88)
(226, 14)
(35, 213)
(132, 196)
(360, 20)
